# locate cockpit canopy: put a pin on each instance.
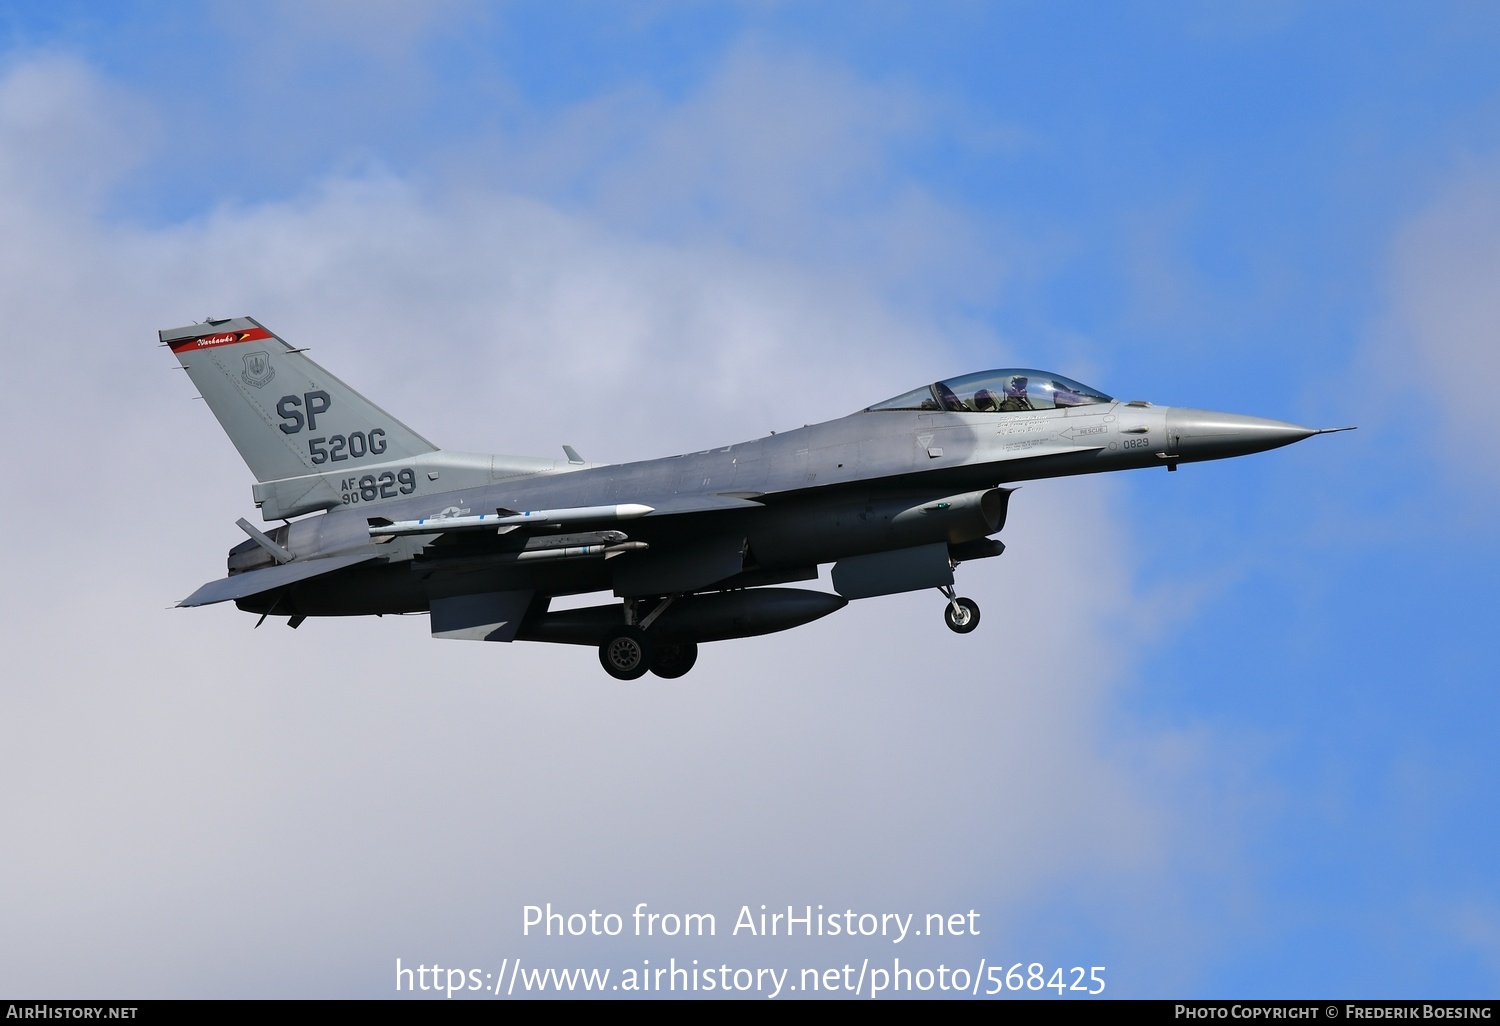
(997, 391)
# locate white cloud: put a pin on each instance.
(67, 139)
(1477, 924)
(783, 155)
(1444, 352)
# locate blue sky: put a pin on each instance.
(1225, 731)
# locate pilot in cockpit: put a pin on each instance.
(1015, 395)
(986, 401)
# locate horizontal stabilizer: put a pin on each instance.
(257, 581)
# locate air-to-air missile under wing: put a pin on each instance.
(695, 547)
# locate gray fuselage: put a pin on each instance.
(817, 494)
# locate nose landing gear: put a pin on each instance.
(960, 614)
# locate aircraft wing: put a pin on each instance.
(695, 558)
(509, 520)
(254, 582)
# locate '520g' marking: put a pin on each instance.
(338, 448)
(297, 412)
(387, 486)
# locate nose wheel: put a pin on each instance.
(961, 614)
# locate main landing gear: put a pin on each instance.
(673, 659)
(961, 614)
(628, 652)
(625, 653)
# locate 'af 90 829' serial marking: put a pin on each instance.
(386, 485)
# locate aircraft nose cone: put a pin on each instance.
(1204, 435)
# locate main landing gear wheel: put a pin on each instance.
(626, 653)
(962, 615)
(673, 659)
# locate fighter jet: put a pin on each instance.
(376, 519)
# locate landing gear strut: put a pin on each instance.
(961, 614)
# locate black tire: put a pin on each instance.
(674, 659)
(625, 653)
(963, 619)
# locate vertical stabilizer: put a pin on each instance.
(287, 416)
